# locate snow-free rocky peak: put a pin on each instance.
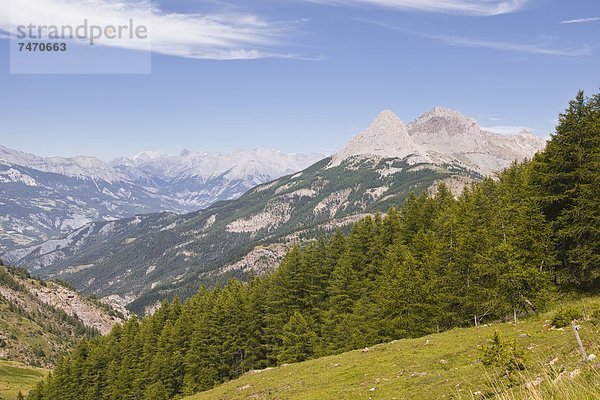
(445, 122)
(387, 136)
(440, 136)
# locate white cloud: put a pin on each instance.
(545, 47)
(580, 20)
(507, 129)
(468, 7)
(542, 48)
(236, 36)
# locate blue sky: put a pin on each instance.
(313, 74)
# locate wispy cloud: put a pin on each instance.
(507, 129)
(542, 48)
(549, 47)
(216, 36)
(580, 20)
(467, 7)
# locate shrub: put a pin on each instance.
(564, 316)
(503, 355)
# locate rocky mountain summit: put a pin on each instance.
(440, 136)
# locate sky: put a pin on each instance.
(306, 75)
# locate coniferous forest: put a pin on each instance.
(504, 247)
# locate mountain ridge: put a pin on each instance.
(440, 136)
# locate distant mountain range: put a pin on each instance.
(140, 260)
(45, 197)
(196, 180)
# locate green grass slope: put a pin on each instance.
(15, 377)
(440, 366)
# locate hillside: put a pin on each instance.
(142, 260)
(40, 321)
(439, 366)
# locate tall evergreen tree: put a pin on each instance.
(298, 340)
(566, 175)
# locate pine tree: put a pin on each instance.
(256, 346)
(298, 340)
(200, 361)
(522, 250)
(566, 177)
(403, 296)
(231, 330)
(156, 391)
(344, 290)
